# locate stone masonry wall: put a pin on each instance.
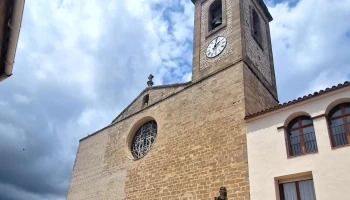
(257, 97)
(260, 56)
(200, 147)
(88, 169)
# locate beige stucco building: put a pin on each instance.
(185, 141)
(279, 157)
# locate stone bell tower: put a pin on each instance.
(227, 32)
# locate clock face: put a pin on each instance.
(216, 47)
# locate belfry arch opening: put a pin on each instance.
(256, 27)
(145, 100)
(215, 15)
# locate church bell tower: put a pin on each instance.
(228, 32)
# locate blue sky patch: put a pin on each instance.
(291, 3)
(347, 34)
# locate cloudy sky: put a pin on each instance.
(80, 62)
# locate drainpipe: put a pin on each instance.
(15, 26)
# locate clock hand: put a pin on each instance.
(216, 42)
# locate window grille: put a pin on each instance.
(143, 139)
(301, 137)
(339, 124)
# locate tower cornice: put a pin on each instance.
(262, 4)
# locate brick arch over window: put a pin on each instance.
(300, 136)
(339, 124)
(215, 15)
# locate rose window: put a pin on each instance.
(143, 139)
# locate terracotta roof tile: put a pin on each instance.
(335, 87)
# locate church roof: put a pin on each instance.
(148, 89)
(306, 97)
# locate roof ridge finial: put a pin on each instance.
(150, 82)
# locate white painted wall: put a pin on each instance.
(268, 159)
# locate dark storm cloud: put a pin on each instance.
(32, 146)
(30, 158)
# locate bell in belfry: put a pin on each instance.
(217, 18)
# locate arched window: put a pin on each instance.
(339, 120)
(215, 15)
(256, 27)
(301, 136)
(145, 100)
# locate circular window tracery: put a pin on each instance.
(143, 139)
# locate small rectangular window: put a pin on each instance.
(298, 190)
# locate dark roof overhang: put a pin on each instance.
(11, 27)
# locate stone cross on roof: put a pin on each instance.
(150, 82)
